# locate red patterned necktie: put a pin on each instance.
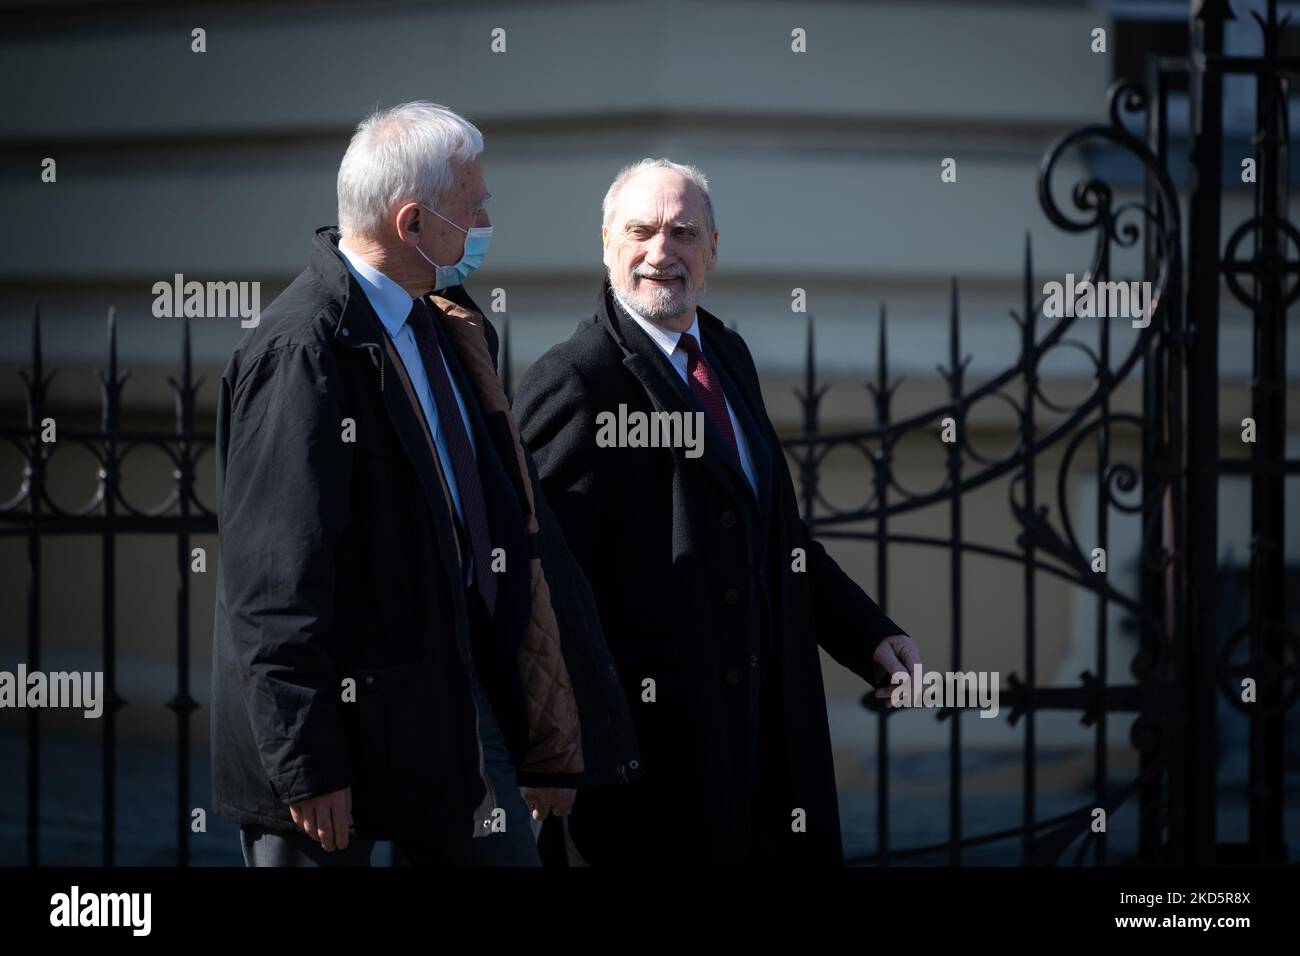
(708, 390)
(472, 505)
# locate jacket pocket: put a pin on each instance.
(398, 776)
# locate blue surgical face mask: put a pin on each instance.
(477, 241)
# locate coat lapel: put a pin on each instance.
(359, 327)
(733, 366)
(669, 393)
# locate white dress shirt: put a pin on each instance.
(393, 305)
(679, 359)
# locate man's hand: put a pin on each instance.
(895, 653)
(546, 800)
(325, 818)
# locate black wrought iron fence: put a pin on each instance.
(1179, 669)
(33, 514)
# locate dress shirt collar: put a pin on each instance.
(664, 338)
(390, 301)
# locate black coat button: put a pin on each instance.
(728, 519)
(733, 676)
(731, 596)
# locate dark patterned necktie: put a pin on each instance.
(708, 391)
(472, 505)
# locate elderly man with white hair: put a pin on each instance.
(402, 639)
(713, 594)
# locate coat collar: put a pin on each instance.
(644, 359)
(358, 326)
(390, 301)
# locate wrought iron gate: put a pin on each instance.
(1180, 668)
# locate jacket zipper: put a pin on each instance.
(491, 792)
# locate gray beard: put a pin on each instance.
(656, 304)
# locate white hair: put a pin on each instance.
(692, 173)
(402, 154)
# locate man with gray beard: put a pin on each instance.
(712, 594)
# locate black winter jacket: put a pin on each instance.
(337, 560)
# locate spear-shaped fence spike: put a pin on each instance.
(954, 338)
(187, 355)
(882, 370)
(112, 344)
(38, 358)
(809, 372)
(1027, 325)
